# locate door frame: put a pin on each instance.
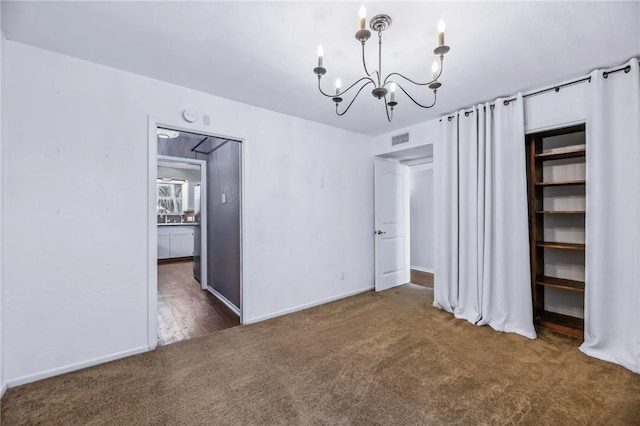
(152, 227)
(203, 210)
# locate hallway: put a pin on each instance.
(184, 310)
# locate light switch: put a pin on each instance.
(224, 198)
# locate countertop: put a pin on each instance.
(179, 224)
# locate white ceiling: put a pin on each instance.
(263, 53)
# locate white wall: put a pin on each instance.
(551, 110)
(2, 42)
(419, 134)
(75, 275)
(542, 112)
(422, 225)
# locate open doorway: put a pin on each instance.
(404, 218)
(422, 223)
(198, 217)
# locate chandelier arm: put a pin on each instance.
(406, 78)
(346, 90)
(415, 82)
(441, 68)
(354, 84)
(416, 102)
(354, 98)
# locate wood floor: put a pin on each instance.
(425, 279)
(184, 310)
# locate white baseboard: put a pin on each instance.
(73, 367)
(308, 305)
(224, 300)
(421, 269)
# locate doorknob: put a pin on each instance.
(379, 232)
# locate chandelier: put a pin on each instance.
(390, 83)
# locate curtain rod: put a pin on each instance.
(605, 74)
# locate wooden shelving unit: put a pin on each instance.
(540, 281)
(562, 283)
(562, 183)
(561, 323)
(573, 153)
(560, 246)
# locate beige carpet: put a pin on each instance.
(372, 359)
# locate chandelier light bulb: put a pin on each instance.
(320, 55)
(362, 13)
(338, 85)
(441, 26)
(392, 89)
(435, 68)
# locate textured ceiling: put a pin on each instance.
(263, 53)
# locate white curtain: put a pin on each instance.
(482, 270)
(612, 285)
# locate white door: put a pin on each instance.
(392, 224)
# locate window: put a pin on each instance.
(171, 196)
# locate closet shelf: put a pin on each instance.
(560, 212)
(565, 284)
(562, 183)
(561, 323)
(562, 246)
(543, 156)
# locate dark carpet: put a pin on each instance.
(385, 358)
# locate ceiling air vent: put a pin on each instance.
(398, 139)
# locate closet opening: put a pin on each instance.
(556, 170)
